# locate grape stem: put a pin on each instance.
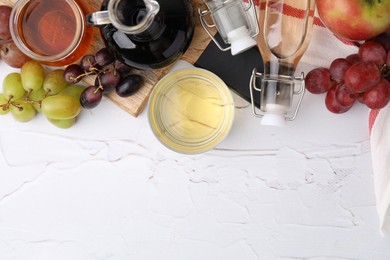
(100, 86)
(92, 67)
(115, 69)
(76, 79)
(46, 94)
(16, 104)
(8, 104)
(4, 107)
(28, 94)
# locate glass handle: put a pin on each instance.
(98, 18)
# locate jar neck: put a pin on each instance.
(279, 68)
(134, 17)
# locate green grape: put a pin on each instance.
(37, 97)
(24, 112)
(60, 107)
(33, 75)
(3, 101)
(12, 86)
(73, 90)
(64, 123)
(54, 82)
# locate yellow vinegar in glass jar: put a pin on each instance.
(191, 110)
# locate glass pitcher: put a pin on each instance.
(145, 34)
(286, 28)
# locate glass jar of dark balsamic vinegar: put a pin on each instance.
(146, 34)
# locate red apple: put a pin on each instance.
(355, 19)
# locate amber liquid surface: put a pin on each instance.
(49, 27)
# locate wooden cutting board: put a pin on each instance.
(136, 103)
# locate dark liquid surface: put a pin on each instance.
(162, 43)
(48, 27)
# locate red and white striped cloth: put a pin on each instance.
(379, 123)
(324, 48)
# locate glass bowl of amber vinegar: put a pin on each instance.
(51, 32)
(191, 110)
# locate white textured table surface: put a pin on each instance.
(106, 189)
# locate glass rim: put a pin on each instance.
(189, 146)
(15, 17)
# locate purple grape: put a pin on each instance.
(73, 73)
(122, 68)
(103, 57)
(129, 85)
(91, 97)
(108, 80)
(88, 63)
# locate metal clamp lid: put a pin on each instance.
(206, 26)
(300, 91)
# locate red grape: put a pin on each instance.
(378, 96)
(73, 73)
(362, 76)
(383, 39)
(91, 97)
(5, 12)
(344, 95)
(88, 63)
(318, 80)
(360, 98)
(103, 57)
(387, 76)
(129, 85)
(332, 104)
(122, 68)
(371, 51)
(353, 58)
(11, 55)
(338, 68)
(108, 80)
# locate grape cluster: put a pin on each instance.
(362, 77)
(32, 91)
(110, 74)
(9, 53)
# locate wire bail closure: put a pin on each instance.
(298, 92)
(226, 24)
